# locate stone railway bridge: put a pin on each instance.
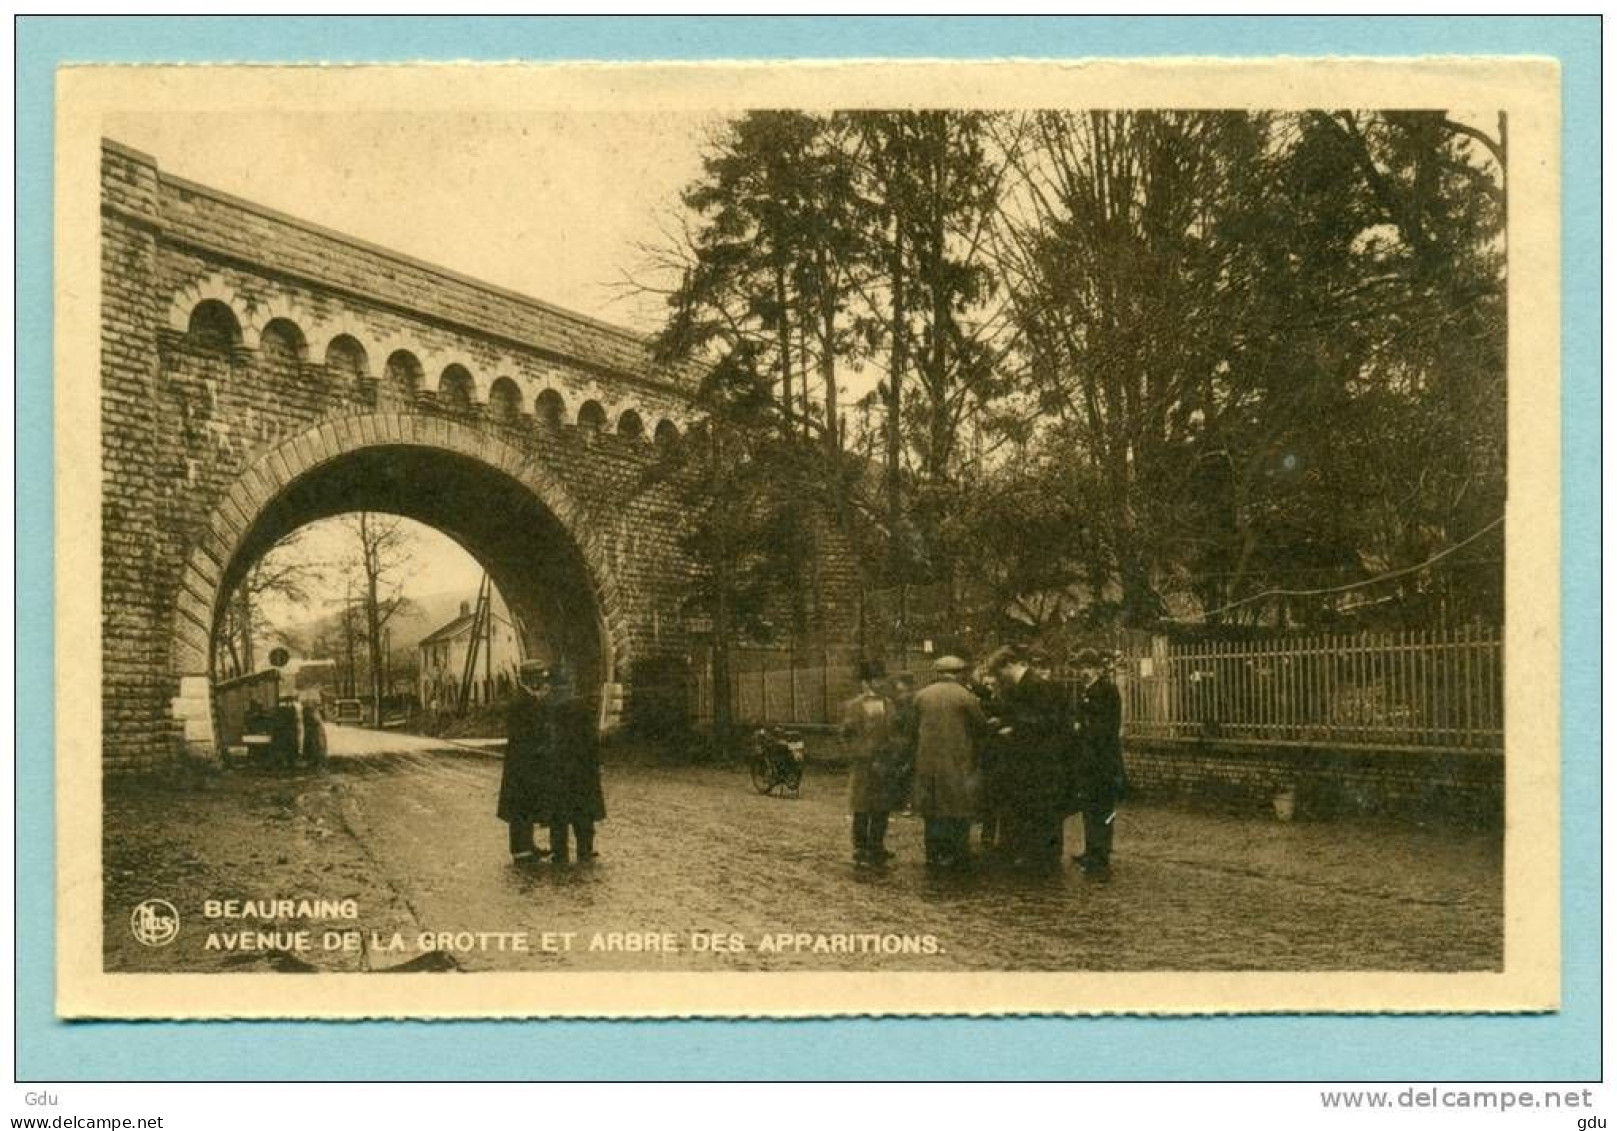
(259, 373)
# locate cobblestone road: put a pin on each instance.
(413, 839)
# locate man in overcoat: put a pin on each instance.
(570, 770)
(1098, 778)
(950, 727)
(526, 734)
(1034, 739)
(869, 724)
(993, 794)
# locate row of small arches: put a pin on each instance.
(212, 324)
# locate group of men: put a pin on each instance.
(1004, 749)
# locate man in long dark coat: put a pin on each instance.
(994, 798)
(286, 741)
(522, 798)
(570, 770)
(1033, 741)
(1098, 778)
(901, 757)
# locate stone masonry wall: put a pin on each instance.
(321, 329)
(1323, 783)
(135, 683)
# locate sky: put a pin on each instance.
(434, 564)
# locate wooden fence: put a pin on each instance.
(1427, 690)
(776, 686)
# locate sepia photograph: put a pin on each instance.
(944, 538)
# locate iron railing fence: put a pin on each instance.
(1437, 690)
(1424, 689)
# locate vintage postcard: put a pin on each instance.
(808, 539)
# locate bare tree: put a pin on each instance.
(1267, 349)
(382, 550)
(281, 575)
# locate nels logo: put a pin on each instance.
(155, 922)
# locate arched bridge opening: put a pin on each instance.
(503, 512)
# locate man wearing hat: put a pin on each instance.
(522, 777)
(570, 797)
(950, 727)
(1034, 739)
(1098, 779)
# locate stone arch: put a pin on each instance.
(358, 342)
(277, 311)
(457, 389)
(591, 415)
(630, 426)
(346, 355)
(403, 371)
(235, 530)
(550, 408)
(282, 340)
(667, 432)
(210, 288)
(505, 401)
(443, 361)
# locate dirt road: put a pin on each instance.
(409, 835)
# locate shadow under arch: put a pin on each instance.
(506, 511)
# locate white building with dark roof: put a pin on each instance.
(443, 654)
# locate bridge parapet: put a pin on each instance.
(226, 228)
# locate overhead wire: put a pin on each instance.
(1349, 587)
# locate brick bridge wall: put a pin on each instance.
(332, 346)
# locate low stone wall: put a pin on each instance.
(1320, 782)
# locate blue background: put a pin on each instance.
(1561, 1046)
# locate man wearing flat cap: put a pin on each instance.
(950, 727)
(1098, 779)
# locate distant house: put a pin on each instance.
(443, 655)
